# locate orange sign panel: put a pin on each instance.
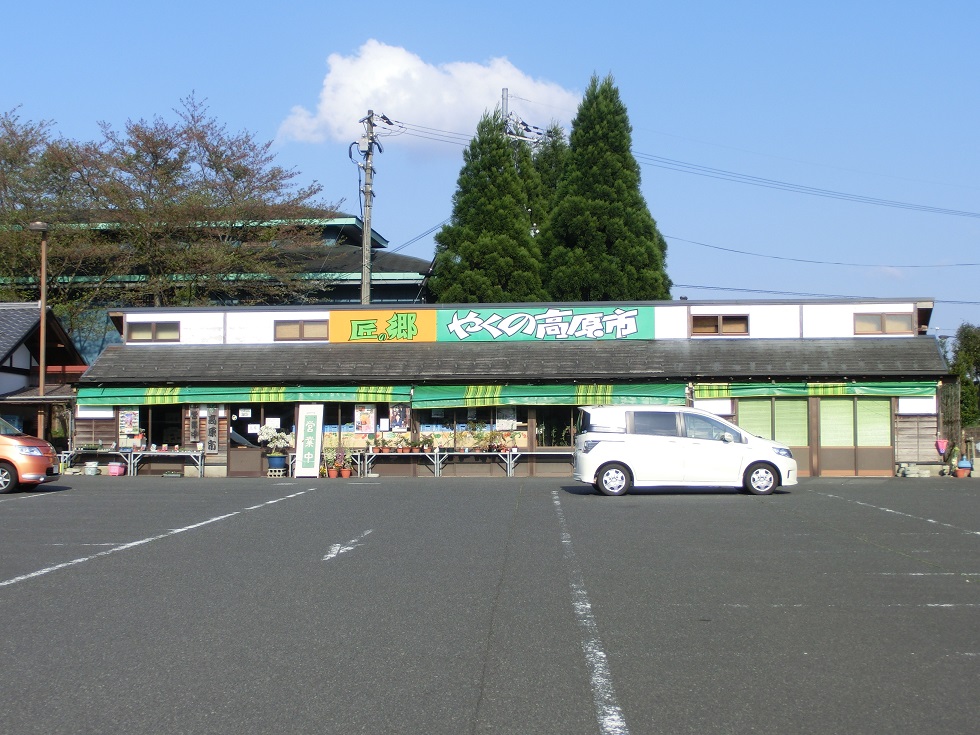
(383, 325)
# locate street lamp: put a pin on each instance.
(42, 227)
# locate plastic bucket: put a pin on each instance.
(116, 469)
(91, 470)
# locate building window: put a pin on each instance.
(153, 331)
(309, 330)
(784, 420)
(882, 324)
(719, 324)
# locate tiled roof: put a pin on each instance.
(16, 322)
(523, 362)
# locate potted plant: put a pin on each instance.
(495, 441)
(329, 460)
(964, 467)
(276, 442)
(427, 442)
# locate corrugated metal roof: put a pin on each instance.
(600, 361)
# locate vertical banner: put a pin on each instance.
(195, 424)
(309, 440)
(211, 446)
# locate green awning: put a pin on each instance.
(746, 390)
(139, 396)
(449, 396)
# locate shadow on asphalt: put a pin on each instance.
(583, 489)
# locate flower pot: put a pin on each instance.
(345, 472)
(276, 461)
(961, 472)
(332, 472)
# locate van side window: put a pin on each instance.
(701, 427)
(658, 423)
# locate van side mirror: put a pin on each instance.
(727, 437)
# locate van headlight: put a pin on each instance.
(589, 444)
(33, 451)
(783, 452)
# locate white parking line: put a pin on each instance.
(338, 549)
(134, 544)
(608, 713)
(899, 513)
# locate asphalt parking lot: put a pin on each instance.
(385, 605)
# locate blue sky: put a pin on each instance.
(874, 99)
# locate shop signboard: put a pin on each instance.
(211, 445)
(543, 324)
(309, 442)
(478, 324)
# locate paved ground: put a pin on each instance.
(158, 605)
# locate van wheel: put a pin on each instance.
(8, 478)
(760, 479)
(613, 479)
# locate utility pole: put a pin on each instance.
(368, 154)
(42, 365)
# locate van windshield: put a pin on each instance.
(8, 429)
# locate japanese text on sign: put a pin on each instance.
(551, 324)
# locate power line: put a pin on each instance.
(807, 295)
(818, 262)
(717, 173)
(420, 236)
(398, 127)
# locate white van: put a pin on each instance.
(619, 447)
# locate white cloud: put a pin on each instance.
(393, 81)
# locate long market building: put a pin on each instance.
(855, 387)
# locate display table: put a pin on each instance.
(364, 461)
(125, 455)
(514, 457)
(196, 457)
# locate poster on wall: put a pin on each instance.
(129, 421)
(309, 440)
(365, 418)
(506, 418)
(400, 417)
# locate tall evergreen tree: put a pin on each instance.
(550, 156)
(601, 242)
(487, 253)
(965, 363)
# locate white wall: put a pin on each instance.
(837, 320)
(670, 322)
(258, 327)
(232, 327)
(9, 382)
(766, 321)
(196, 327)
